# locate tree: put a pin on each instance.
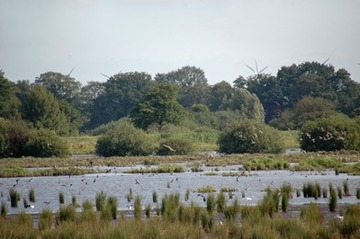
(43, 111)
(63, 87)
(247, 104)
(124, 140)
(193, 85)
(119, 95)
(333, 133)
(250, 137)
(9, 103)
(158, 107)
(219, 93)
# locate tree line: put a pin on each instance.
(296, 95)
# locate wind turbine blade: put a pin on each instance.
(256, 66)
(250, 68)
(70, 72)
(326, 61)
(262, 70)
(104, 75)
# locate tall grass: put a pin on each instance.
(61, 198)
(45, 219)
(100, 201)
(3, 210)
(32, 195)
(14, 197)
(332, 199)
(113, 203)
(137, 208)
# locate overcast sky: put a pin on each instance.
(157, 36)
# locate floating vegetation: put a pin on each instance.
(266, 163)
(318, 164)
(227, 190)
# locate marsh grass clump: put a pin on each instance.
(332, 199)
(270, 202)
(88, 213)
(137, 208)
(3, 209)
(129, 196)
(32, 195)
(187, 194)
(154, 197)
(170, 206)
(26, 203)
(73, 201)
(61, 198)
(311, 190)
(346, 189)
(207, 221)
(358, 193)
(105, 213)
(339, 192)
(113, 203)
(100, 201)
(67, 213)
(324, 193)
(231, 211)
(311, 213)
(14, 197)
(350, 227)
(206, 189)
(220, 202)
(148, 211)
(45, 219)
(210, 203)
(298, 192)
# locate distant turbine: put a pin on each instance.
(70, 72)
(105, 75)
(256, 70)
(325, 61)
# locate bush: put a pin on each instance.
(251, 137)
(124, 140)
(175, 146)
(331, 134)
(45, 143)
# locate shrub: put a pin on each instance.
(334, 133)
(67, 213)
(175, 146)
(32, 195)
(124, 140)
(45, 143)
(251, 137)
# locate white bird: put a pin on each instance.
(247, 198)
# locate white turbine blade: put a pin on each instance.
(250, 68)
(326, 61)
(256, 66)
(104, 75)
(70, 72)
(263, 70)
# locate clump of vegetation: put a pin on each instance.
(311, 190)
(270, 202)
(286, 195)
(220, 202)
(100, 201)
(318, 164)
(346, 189)
(154, 197)
(137, 208)
(45, 219)
(112, 203)
(311, 213)
(32, 195)
(124, 140)
(332, 133)
(14, 198)
(3, 209)
(187, 194)
(175, 146)
(266, 163)
(67, 213)
(250, 137)
(206, 189)
(358, 193)
(61, 198)
(210, 203)
(166, 168)
(129, 195)
(332, 199)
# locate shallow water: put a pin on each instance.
(117, 183)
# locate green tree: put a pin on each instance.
(193, 84)
(247, 104)
(219, 94)
(330, 134)
(119, 95)
(123, 139)
(9, 103)
(63, 87)
(250, 137)
(43, 111)
(158, 107)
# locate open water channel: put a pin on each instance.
(117, 183)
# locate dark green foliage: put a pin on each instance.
(170, 205)
(73, 201)
(158, 107)
(270, 202)
(311, 190)
(118, 95)
(155, 197)
(219, 93)
(13, 136)
(210, 203)
(124, 140)
(61, 198)
(336, 132)
(45, 143)
(9, 103)
(286, 195)
(358, 193)
(14, 197)
(251, 137)
(32, 195)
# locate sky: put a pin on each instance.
(157, 36)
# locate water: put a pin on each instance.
(117, 183)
